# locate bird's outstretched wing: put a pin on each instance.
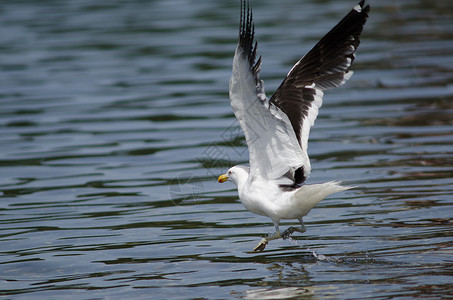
(276, 130)
(326, 66)
(273, 148)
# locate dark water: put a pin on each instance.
(115, 123)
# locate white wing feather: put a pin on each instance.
(273, 147)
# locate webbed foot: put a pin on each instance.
(287, 233)
(261, 245)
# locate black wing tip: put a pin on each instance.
(365, 9)
(351, 25)
(247, 36)
(362, 9)
(358, 18)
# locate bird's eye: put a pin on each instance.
(229, 172)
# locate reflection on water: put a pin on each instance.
(115, 124)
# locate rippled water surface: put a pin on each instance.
(115, 123)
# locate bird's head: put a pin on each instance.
(237, 174)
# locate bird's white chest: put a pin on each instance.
(260, 198)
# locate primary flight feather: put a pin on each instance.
(276, 130)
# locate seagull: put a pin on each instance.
(276, 130)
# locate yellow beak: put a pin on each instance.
(223, 178)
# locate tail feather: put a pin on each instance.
(310, 195)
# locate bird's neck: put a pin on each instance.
(241, 180)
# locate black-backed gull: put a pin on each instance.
(276, 130)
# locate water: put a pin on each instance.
(115, 123)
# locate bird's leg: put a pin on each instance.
(262, 244)
(286, 234)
